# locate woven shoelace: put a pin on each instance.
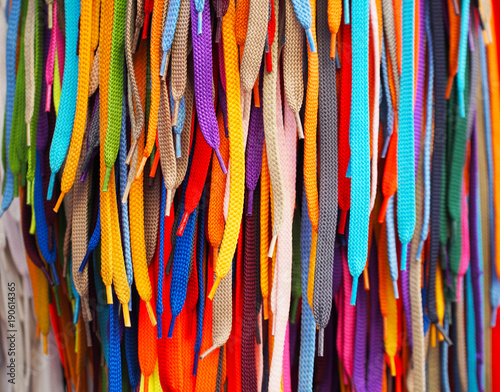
(237, 179)
(66, 115)
(322, 299)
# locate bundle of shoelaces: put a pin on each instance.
(259, 195)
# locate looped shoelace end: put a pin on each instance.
(175, 115)
(105, 185)
(333, 46)
(321, 341)
(310, 40)
(183, 224)
(221, 161)
(404, 256)
(200, 22)
(354, 291)
(272, 246)
(300, 130)
(383, 209)
(51, 185)
(59, 202)
(214, 288)
(141, 168)
(126, 314)
(109, 294)
(151, 313)
(172, 326)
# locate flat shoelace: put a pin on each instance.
(359, 143)
(237, 187)
(66, 115)
(322, 299)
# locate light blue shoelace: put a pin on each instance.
(181, 117)
(462, 54)
(302, 10)
(391, 246)
(200, 5)
(428, 137)
(11, 47)
(308, 326)
(67, 108)
(169, 31)
(359, 141)
(445, 382)
(406, 145)
(495, 282)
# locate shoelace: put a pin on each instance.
(406, 144)
(304, 11)
(308, 325)
(12, 32)
(344, 151)
(66, 115)
(322, 299)
(292, 65)
(237, 187)
(360, 150)
(264, 233)
(84, 55)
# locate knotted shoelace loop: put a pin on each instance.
(328, 192)
(236, 151)
(84, 55)
(66, 115)
(359, 141)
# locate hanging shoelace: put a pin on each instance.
(400, 119)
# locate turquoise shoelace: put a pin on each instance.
(67, 107)
(462, 54)
(406, 144)
(359, 141)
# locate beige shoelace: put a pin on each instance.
(182, 162)
(79, 234)
(178, 73)
(272, 146)
(292, 64)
